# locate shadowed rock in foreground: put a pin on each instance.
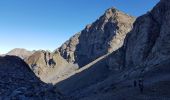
(18, 82)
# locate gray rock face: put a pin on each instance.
(148, 44)
(103, 36)
(22, 53)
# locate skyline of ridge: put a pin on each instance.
(45, 25)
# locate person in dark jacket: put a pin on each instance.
(140, 84)
(134, 83)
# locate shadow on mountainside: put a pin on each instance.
(113, 76)
(101, 81)
(89, 76)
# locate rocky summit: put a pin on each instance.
(103, 36)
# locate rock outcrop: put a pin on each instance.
(22, 53)
(103, 36)
(148, 44)
(18, 82)
(48, 66)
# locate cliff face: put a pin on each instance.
(103, 36)
(148, 44)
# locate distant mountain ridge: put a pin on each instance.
(20, 52)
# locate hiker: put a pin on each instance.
(134, 83)
(140, 84)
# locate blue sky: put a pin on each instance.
(46, 24)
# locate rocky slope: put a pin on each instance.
(18, 82)
(145, 55)
(103, 36)
(22, 53)
(48, 66)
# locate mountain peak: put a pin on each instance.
(111, 12)
(103, 36)
(20, 52)
(114, 13)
